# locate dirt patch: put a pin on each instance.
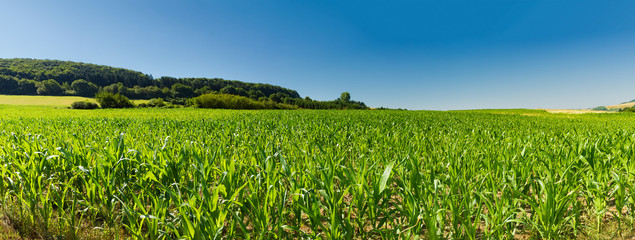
(6, 231)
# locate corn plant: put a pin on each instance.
(227, 174)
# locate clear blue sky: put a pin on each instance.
(409, 54)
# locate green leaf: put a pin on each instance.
(385, 176)
(151, 176)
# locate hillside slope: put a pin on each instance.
(23, 76)
(622, 105)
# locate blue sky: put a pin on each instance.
(408, 54)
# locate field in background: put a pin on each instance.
(200, 173)
(54, 101)
(534, 112)
(65, 101)
(620, 106)
(575, 111)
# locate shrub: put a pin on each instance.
(111, 100)
(84, 105)
(156, 102)
(229, 101)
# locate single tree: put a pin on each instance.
(49, 87)
(84, 88)
(346, 97)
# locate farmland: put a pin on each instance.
(204, 174)
(56, 101)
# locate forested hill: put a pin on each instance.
(32, 76)
(66, 71)
(51, 77)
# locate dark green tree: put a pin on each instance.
(278, 97)
(234, 91)
(66, 86)
(255, 94)
(49, 87)
(8, 85)
(345, 97)
(27, 87)
(118, 88)
(182, 91)
(84, 88)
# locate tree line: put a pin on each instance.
(59, 78)
(210, 100)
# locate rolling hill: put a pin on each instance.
(621, 105)
(22, 76)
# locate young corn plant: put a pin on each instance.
(554, 210)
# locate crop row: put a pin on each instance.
(317, 174)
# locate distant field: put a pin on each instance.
(54, 101)
(623, 105)
(535, 112)
(574, 111)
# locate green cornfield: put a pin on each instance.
(223, 174)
